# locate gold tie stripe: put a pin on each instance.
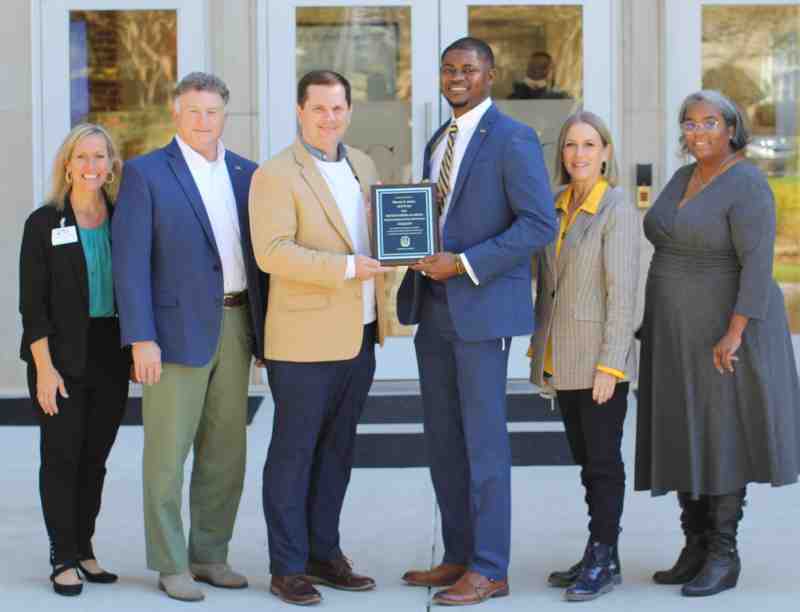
(443, 184)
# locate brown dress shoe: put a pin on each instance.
(338, 573)
(294, 590)
(444, 575)
(472, 588)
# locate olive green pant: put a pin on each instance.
(205, 408)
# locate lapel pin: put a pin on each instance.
(238, 167)
(483, 130)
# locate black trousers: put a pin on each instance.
(75, 443)
(595, 438)
(311, 454)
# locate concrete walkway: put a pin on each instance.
(389, 525)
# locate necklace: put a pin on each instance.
(724, 165)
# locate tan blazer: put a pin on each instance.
(301, 241)
(586, 299)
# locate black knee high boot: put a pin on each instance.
(722, 567)
(695, 523)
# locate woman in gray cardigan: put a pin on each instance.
(718, 390)
(582, 346)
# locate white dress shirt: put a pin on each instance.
(467, 124)
(350, 201)
(215, 187)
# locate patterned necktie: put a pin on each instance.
(443, 184)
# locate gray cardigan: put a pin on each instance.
(586, 298)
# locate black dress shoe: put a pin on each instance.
(68, 590)
(99, 578)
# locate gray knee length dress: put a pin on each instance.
(699, 431)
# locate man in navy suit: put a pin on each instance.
(469, 300)
(191, 303)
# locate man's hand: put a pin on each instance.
(367, 268)
(147, 362)
(439, 266)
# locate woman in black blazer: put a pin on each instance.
(77, 372)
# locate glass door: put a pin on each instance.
(750, 51)
(115, 62)
(552, 59)
(389, 50)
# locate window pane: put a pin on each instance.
(539, 60)
(371, 47)
(751, 54)
(123, 67)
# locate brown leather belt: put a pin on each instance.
(233, 300)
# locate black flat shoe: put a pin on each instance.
(68, 590)
(98, 578)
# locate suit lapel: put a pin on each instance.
(75, 254)
(575, 235)
(240, 191)
(315, 180)
(550, 254)
(178, 165)
(481, 132)
(430, 148)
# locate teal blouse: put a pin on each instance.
(97, 251)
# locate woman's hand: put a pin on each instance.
(603, 387)
(48, 381)
(724, 352)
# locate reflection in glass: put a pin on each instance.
(751, 54)
(123, 67)
(539, 61)
(371, 47)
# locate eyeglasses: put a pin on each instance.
(706, 125)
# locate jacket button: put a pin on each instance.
(553, 294)
(216, 267)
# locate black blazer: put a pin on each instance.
(54, 291)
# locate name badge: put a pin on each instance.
(64, 235)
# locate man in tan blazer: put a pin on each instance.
(310, 230)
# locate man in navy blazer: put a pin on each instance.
(469, 300)
(191, 303)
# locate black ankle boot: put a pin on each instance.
(595, 577)
(695, 522)
(564, 578)
(722, 567)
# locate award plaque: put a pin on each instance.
(405, 223)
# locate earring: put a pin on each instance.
(603, 168)
(68, 177)
(110, 178)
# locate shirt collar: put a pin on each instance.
(319, 154)
(590, 204)
(194, 159)
(472, 117)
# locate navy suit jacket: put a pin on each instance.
(167, 269)
(501, 212)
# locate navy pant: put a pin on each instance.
(317, 408)
(595, 438)
(464, 395)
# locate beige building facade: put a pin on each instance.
(631, 61)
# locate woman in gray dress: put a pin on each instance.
(718, 387)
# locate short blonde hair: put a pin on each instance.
(611, 173)
(59, 187)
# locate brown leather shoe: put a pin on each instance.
(444, 575)
(294, 589)
(337, 573)
(472, 588)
